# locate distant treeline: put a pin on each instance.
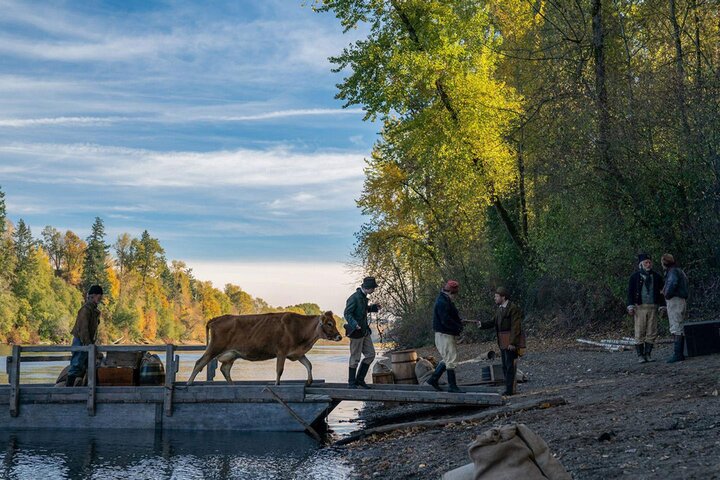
(537, 145)
(42, 281)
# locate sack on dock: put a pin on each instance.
(423, 370)
(514, 451)
(382, 365)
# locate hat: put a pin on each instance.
(643, 256)
(503, 292)
(452, 286)
(95, 290)
(369, 282)
(667, 259)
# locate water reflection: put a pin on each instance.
(169, 455)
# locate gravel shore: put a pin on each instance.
(622, 419)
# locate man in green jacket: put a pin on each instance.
(84, 333)
(358, 329)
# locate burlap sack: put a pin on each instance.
(382, 365)
(423, 370)
(514, 452)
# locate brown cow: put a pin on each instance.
(262, 337)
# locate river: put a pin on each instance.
(146, 455)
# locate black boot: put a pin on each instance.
(360, 377)
(678, 347)
(452, 385)
(70, 381)
(352, 383)
(640, 349)
(648, 351)
(433, 381)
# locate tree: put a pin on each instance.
(54, 246)
(96, 254)
(73, 258)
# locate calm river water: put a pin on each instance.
(129, 454)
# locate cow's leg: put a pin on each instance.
(227, 359)
(308, 366)
(279, 368)
(201, 362)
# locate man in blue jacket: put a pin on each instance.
(358, 329)
(447, 325)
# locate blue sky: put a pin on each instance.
(213, 125)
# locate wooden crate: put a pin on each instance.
(116, 376)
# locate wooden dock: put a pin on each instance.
(205, 405)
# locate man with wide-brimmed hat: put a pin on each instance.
(676, 294)
(644, 298)
(447, 325)
(358, 329)
(84, 333)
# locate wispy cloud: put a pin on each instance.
(33, 122)
(96, 164)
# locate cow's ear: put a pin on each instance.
(329, 314)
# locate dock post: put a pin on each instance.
(170, 371)
(91, 376)
(14, 377)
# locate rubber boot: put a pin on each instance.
(640, 349)
(351, 377)
(70, 381)
(648, 351)
(360, 377)
(678, 347)
(452, 384)
(433, 380)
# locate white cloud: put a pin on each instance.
(278, 166)
(33, 122)
(286, 113)
(281, 284)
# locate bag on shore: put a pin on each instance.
(510, 452)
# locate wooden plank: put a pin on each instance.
(55, 348)
(377, 395)
(40, 358)
(15, 381)
(169, 379)
(92, 377)
(233, 393)
(302, 422)
(407, 387)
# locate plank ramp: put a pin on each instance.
(407, 393)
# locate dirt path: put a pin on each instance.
(622, 420)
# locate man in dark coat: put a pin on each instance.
(447, 326)
(358, 329)
(84, 333)
(508, 327)
(644, 298)
(676, 294)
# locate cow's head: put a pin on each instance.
(328, 328)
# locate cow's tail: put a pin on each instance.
(207, 334)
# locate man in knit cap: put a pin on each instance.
(676, 294)
(447, 325)
(84, 333)
(644, 298)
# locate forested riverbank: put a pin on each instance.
(147, 298)
(535, 145)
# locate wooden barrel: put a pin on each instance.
(383, 377)
(152, 371)
(403, 366)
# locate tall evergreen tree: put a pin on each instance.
(95, 268)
